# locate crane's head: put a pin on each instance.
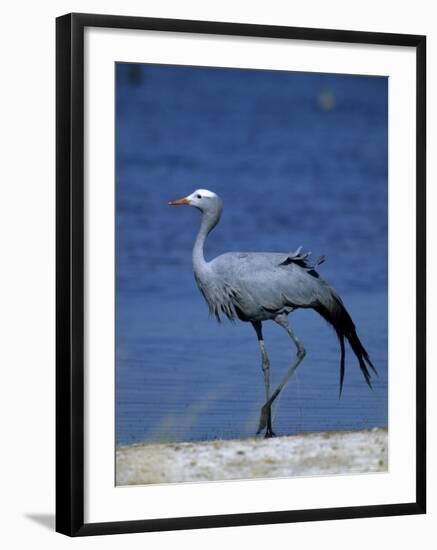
(206, 201)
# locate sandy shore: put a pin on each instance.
(298, 455)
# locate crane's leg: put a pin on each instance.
(265, 411)
(265, 365)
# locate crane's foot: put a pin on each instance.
(269, 431)
(265, 421)
(265, 414)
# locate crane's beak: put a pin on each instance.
(177, 202)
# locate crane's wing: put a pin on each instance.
(270, 282)
(301, 258)
(283, 286)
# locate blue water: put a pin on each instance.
(299, 159)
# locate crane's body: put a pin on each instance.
(260, 286)
(257, 286)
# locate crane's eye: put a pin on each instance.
(198, 196)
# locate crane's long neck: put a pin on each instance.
(209, 221)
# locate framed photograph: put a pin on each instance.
(256, 355)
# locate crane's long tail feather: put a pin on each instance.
(342, 360)
(336, 315)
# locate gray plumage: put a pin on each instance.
(261, 286)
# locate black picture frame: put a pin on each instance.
(70, 273)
